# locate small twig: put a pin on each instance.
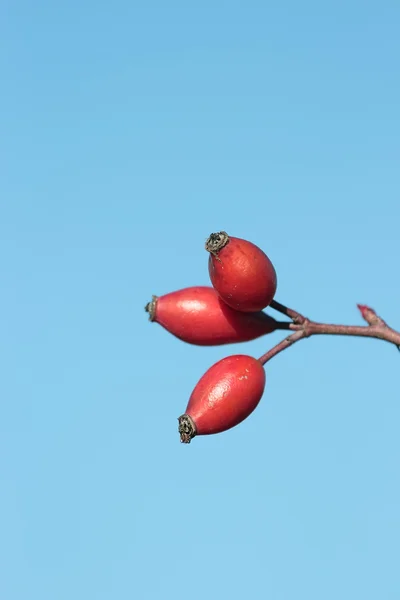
(289, 341)
(304, 328)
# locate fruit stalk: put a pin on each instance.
(304, 328)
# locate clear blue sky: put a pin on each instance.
(129, 132)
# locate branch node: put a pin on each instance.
(303, 327)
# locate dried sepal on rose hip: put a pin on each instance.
(197, 315)
(241, 272)
(224, 396)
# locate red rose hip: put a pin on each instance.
(197, 315)
(241, 272)
(226, 395)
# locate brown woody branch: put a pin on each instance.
(304, 328)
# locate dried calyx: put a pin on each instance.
(186, 428)
(216, 242)
(151, 308)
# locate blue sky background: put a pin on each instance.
(129, 132)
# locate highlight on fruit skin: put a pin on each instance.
(224, 397)
(197, 315)
(241, 272)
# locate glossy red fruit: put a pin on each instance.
(241, 272)
(226, 395)
(197, 315)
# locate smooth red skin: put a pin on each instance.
(197, 315)
(226, 394)
(243, 275)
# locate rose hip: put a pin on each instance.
(197, 315)
(241, 272)
(226, 395)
